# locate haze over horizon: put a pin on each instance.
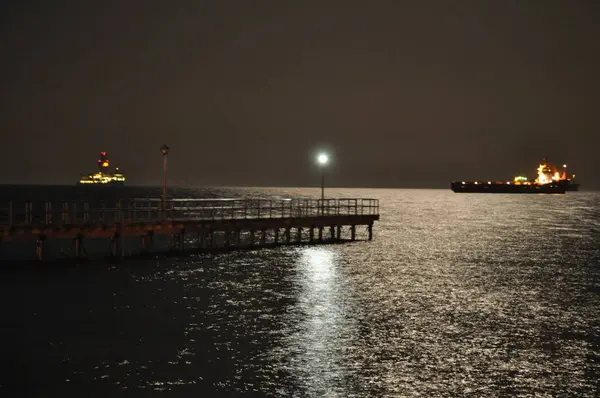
(401, 94)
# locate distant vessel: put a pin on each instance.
(103, 176)
(549, 180)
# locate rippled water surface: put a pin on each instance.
(457, 295)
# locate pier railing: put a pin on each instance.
(155, 210)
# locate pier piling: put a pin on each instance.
(39, 248)
(78, 245)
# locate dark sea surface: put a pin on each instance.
(457, 295)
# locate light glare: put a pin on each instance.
(323, 159)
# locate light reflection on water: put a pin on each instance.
(321, 311)
(479, 295)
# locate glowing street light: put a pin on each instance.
(165, 151)
(322, 160)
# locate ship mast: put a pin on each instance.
(103, 162)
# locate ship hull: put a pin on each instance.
(573, 187)
(106, 184)
(480, 187)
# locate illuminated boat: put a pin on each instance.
(549, 180)
(506, 187)
(103, 176)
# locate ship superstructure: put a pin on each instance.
(548, 173)
(103, 176)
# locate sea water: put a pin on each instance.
(457, 295)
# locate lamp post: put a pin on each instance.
(322, 159)
(165, 151)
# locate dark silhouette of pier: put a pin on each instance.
(214, 223)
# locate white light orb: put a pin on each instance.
(323, 159)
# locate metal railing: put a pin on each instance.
(155, 210)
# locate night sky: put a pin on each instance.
(402, 93)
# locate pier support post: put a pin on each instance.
(28, 212)
(332, 232)
(173, 238)
(299, 237)
(200, 236)
(78, 245)
(370, 229)
(146, 241)
(210, 239)
(237, 237)
(177, 240)
(320, 234)
(276, 235)
(226, 238)
(311, 234)
(150, 239)
(115, 245)
(288, 233)
(252, 237)
(353, 232)
(339, 233)
(263, 237)
(39, 248)
(112, 246)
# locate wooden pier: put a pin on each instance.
(212, 223)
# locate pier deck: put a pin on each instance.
(227, 223)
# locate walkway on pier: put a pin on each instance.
(238, 222)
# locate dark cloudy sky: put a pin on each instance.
(403, 93)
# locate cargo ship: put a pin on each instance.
(549, 180)
(103, 176)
